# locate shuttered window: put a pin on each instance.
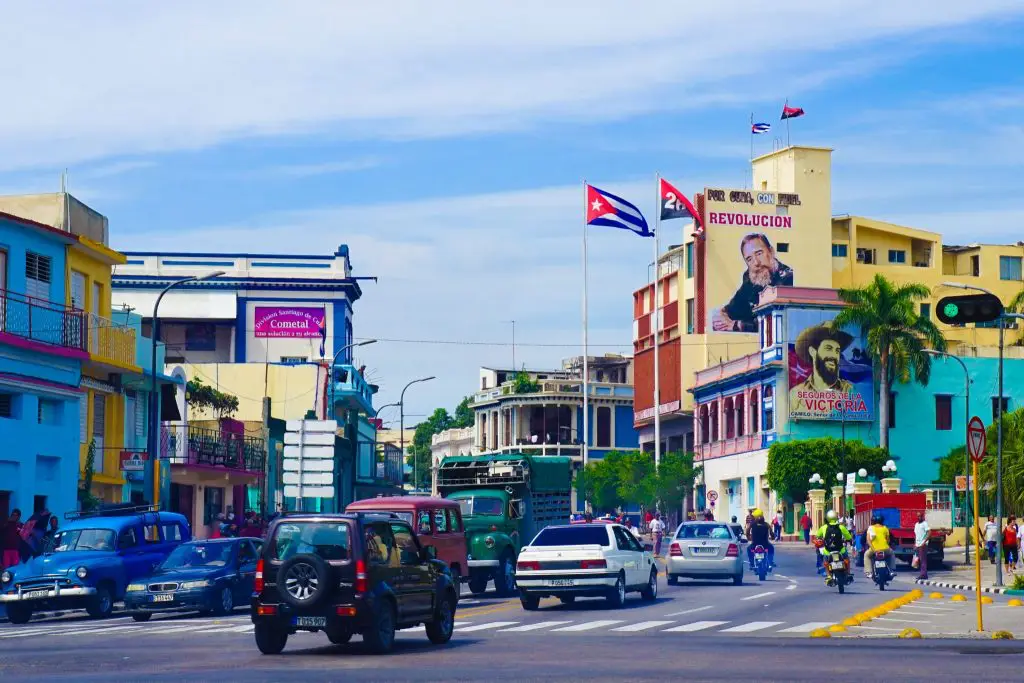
(38, 275)
(6, 405)
(99, 417)
(83, 419)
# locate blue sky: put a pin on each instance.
(445, 142)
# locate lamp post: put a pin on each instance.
(401, 424)
(967, 465)
(152, 488)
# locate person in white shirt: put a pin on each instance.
(921, 530)
(632, 529)
(658, 531)
(991, 535)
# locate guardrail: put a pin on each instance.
(110, 341)
(42, 321)
(188, 445)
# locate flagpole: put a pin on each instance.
(787, 122)
(586, 352)
(655, 322)
(751, 136)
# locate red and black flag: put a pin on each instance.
(789, 112)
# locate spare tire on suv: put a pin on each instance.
(303, 581)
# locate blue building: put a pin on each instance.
(43, 345)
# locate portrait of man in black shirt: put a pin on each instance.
(763, 270)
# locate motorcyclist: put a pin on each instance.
(834, 536)
(878, 538)
(759, 534)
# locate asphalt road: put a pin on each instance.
(698, 630)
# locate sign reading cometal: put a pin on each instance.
(291, 323)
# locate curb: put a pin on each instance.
(968, 587)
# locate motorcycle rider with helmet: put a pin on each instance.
(759, 533)
(835, 536)
(878, 538)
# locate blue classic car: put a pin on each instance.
(201, 576)
(91, 561)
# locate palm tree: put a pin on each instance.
(896, 335)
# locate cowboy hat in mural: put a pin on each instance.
(821, 349)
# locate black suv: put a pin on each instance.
(349, 573)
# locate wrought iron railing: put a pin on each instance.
(111, 341)
(41, 321)
(188, 445)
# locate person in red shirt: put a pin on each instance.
(805, 524)
(10, 540)
(1010, 532)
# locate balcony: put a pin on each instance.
(111, 343)
(192, 446)
(728, 369)
(350, 390)
(548, 387)
(30, 323)
(741, 444)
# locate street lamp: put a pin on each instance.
(967, 419)
(153, 444)
(401, 424)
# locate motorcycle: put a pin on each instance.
(838, 568)
(761, 562)
(882, 573)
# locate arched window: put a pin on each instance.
(713, 411)
(769, 412)
(754, 429)
(729, 416)
(703, 424)
(739, 416)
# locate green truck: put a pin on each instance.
(506, 499)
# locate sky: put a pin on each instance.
(446, 142)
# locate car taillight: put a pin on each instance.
(675, 551)
(360, 586)
(528, 565)
(733, 551)
(259, 576)
(593, 564)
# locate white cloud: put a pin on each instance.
(129, 78)
(316, 169)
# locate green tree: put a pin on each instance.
(524, 385)
(791, 463)
(636, 477)
(419, 451)
(896, 335)
(1013, 461)
(601, 480)
(86, 499)
(675, 478)
(204, 397)
(464, 415)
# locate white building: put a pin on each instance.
(456, 441)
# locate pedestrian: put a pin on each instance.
(632, 529)
(709, 515)
(805, 524)
(658, 531)
(991, 535)
(1010, 544)
(10, 540)
(921, 533)
(50, 537)
(750, 518)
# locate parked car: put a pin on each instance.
(349, 573)
(571, 561)
(91, 561)
(706, 550)
(210, 576)
(436, 521)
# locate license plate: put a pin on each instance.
(561, 582)
(163, 598)
(703, 551)
(879, 563)
(838, 565)
(759, 556)
(32, 595)
(311, 622)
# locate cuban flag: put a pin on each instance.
(760, 128)
(604, 208)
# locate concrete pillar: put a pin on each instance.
(892, 485)
(837, 498)
(862, 487)
(816, 505)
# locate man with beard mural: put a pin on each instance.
(763, 270)
(820, 347)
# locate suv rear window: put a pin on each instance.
(573, 535)
(329, 540)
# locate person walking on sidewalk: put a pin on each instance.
(658, 531)
(1010, 533)
(991, 533)
(10, 540)
(805, 524)
(921, 532)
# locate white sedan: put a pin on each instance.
(591, 560)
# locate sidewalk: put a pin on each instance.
(957, 575)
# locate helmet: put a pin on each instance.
(757, 514)
(832, 517)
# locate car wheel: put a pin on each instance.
(650, 592)
(530, 603)
(477, 584)
(380, 635)
(618, 595)
(102, 604)
(673, 580)
(737, 580)
(226, 602)
(567, 599)
(339, 636)
(439, 631)
(304, 580)
(142, 616)
(505, 577)
(19, 614)
(270, 639)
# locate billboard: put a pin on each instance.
(289, 322)
(744, 229)
(830, 373)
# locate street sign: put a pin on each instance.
(969, 308)
(308, 426)
(309, 438)
(311, 452)
(851, 479)
(712, 496)
(308, 462)
(309, 491)
(961, 484)
(292, 465)
(976, 439)
(133, 461)
(309, 478)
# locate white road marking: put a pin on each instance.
(102, 629)
(879, 628)
(533, 627)
(759, 595)
(783, 576)
(808, 627)
(589, 625)
(642, 626)
(690, 611)
(791, 587)
(751, 626)
(904, 610)
(934, 609)
(171, 629)
(905, 621)
(695, 626)
(489, 625)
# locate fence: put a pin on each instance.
(42, 321)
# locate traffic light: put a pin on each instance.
(969, 308)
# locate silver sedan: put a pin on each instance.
(706, 550)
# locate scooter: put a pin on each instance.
(760, 562)
(838, 568)
(882, 573)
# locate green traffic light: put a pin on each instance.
(951, 310)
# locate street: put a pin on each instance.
(710, 631)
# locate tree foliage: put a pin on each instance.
(86, 499)
(897, 336)
(464, 416)
(791, 463)
(522, 384)
(1013, 461)
(204, 397)
(625, 478)
(419, 451)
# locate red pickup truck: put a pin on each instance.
(899, 512)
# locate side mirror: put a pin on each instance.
(649, 547)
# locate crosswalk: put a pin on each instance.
(241, 626)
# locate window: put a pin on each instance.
(926, 311)
(423, 525)
(892, 410)
(7, 405)
(769, 409)
(839, 251)
(622, 538)
(944, 413)
(866, 256)
(454, 521)
(127, 539)
(604, 427)
(1009, 268)
(3, 269)
(78, 285)
(406, 545)
(897, 256)
(689, 316)
(48, 412)
(38, 274)
(172, 532)
(689, 259)
(782, 247)
(38, 504)
(583, 534)
(331, 541)
(151, 532)
(717, 531)
(99, 430)
(976, 266)
(83, 419)
(246, 553)
(995, 406)
(440, 521)
(200, 337)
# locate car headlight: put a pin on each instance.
(81, 572)
(189, 585)
(135, 587)
(489, 541)
(6, 577)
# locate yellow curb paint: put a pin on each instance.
(1002, 635)
(1014, 603)
(837, 628)
(909, 633)
(820, 633)
(852, 621)
(936, 596)
(985, 600)
(959, 598)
